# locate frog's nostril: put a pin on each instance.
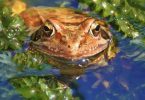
(68, 46)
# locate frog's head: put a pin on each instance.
(72, 40)
(70, 35)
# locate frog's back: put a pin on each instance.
(38, 15)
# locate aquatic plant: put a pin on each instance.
(120, 13)
(44, 88)
(29, 59)
(12, 30)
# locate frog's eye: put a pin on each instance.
(48, 30)
(94, 29)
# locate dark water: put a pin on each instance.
(122, 79)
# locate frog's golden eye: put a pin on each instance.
(94, 29)
(97, 29)
(48, 30)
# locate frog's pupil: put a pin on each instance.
(46, 28)
(97, 28)
(48, 31)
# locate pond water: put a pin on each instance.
(122, 79)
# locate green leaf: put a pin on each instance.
(120, 12)
(5, 11)
(12, 30)
(40, 88)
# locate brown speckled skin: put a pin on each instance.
(71, 39)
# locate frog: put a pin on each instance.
(68, 35)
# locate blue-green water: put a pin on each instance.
(122, 79)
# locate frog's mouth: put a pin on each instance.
(66, 55)
(80, 61)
